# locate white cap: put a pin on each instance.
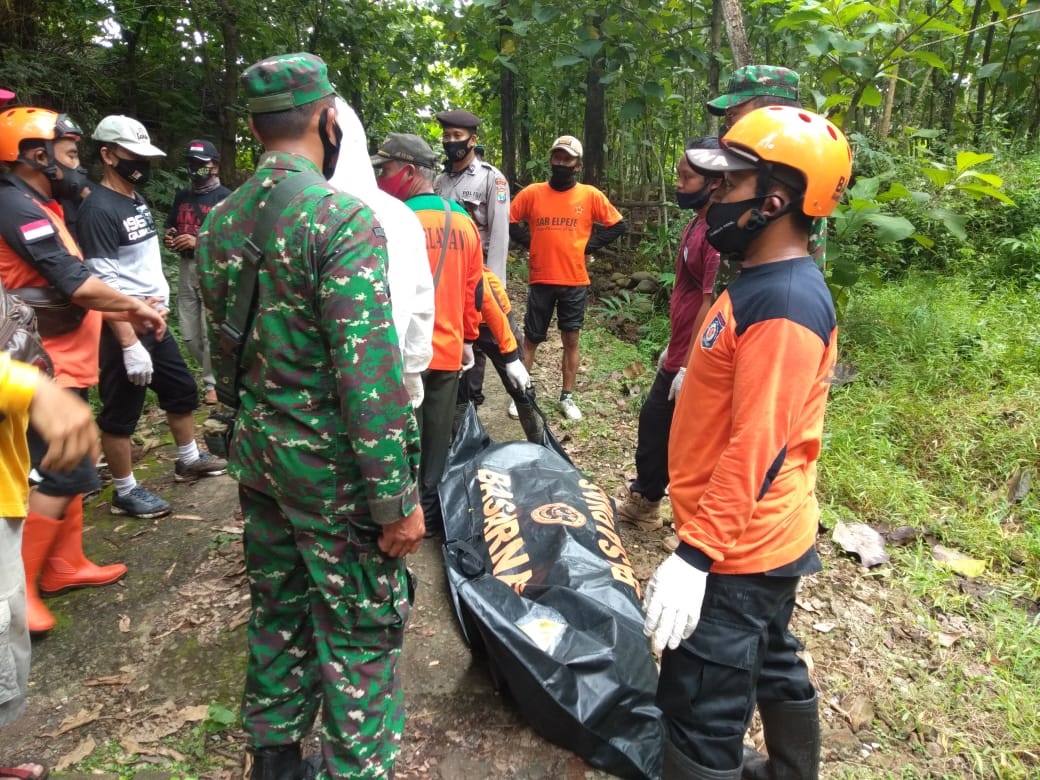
(569, 144)
(128, 133)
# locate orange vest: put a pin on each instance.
(75, 354)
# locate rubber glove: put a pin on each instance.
(673, 601)
(468, 361)
(517, 374)
(673, 391)
(138, 363)
(413, 384)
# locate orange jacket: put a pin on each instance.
(459, 290)
(17, 385)
(749, 420)
(494, 313)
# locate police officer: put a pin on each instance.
(326, 448)
(482, 189)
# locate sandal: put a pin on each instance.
(28, 771)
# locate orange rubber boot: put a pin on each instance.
(38, 535)
(67, 567)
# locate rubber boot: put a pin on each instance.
(679, 766)
(66, 566)
(280, 762)
(38, 535)
(531, 422)
(792, 732)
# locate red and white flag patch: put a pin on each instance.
(34, 231)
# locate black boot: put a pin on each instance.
(531, 421)
(679, 766)
(792, 730)
(279, 762)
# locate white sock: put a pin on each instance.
(124, 485)
(188, 453)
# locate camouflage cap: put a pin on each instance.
(405, 147)
(755, 81)
(285, 81)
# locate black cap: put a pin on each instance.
(202, 150)
(405, 147)
(458, 118)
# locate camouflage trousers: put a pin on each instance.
(325, 630)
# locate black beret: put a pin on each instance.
(458, 118)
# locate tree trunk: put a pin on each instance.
(228, 92)
(738, 40)
(893, 83)
(957, 77)
(507, 118)
(715, 39)
(980, 99)
(595, 117)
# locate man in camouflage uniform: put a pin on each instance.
(482, 189)
(326, 449)
(751, 87)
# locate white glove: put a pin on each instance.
(468, 361)
(138, 363)
(673, 601)
(517, 374)
(673, 391)
(413, 384)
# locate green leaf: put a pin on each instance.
(989, 70)
(865, 188)
(923, 240)
(835, 99)
(967, 160)
(544, 13)
(871, 96)
(894, 192)
(609, 78)
(938, 176)
(567, 60)
(983, 191)
(654, 90)
(954, 222)
(843, 273)
(989, 178)
(590, 48)
(220, 716)
(633, 109)
(931, 59)
(890, 228)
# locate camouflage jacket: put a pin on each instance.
(325, 422)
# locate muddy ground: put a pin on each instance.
(129, 673)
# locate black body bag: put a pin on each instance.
(543, 587)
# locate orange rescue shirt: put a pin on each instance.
(494, 313)
(749, 420)
(561, 225)
(458, 293)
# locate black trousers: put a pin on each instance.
(485, 345)
(435, 416)
(740, 653)
(655, 423)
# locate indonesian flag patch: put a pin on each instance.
(197, 148)
(34, 231)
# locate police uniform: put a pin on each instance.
(482, 189)
(326, 452)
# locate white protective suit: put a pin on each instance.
(411, 283)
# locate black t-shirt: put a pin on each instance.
(190, 209)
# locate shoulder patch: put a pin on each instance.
(36, 230)
(711, 333)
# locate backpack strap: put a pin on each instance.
(235, 328)
(444, 241)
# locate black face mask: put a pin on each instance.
(562, 177)
(723, 231)
(137, 172)
(456, 150)
(330, 150)
(72, 182)
(693, 200)
(201, 174)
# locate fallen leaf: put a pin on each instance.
(957, 562)
(904, 534)
(81, 718)
(948, 639)
(861, 540)
(194, 714)
(185, 517)
(858, 711)
(124, 624)
(634, 369)
(823, 628)
(1019, 484)
(110, 679)
(77, 754)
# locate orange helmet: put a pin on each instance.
(799, 139)
(19, 124)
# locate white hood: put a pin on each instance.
(408, 274)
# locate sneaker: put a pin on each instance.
(210, 397)
(512, 412)
(640, 511)
(139, 503)
(569, 408)
(206, 466)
